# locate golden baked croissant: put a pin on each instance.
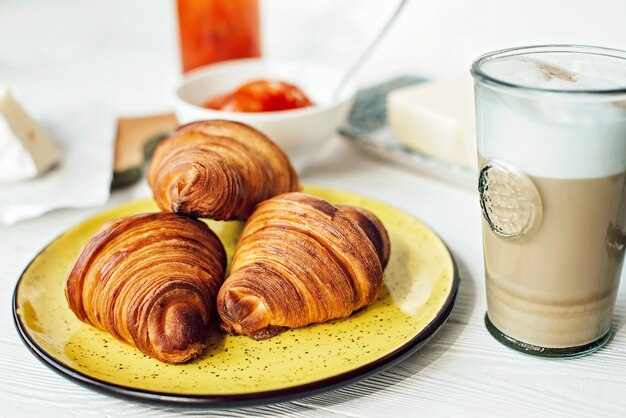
(218, 169)
(373, 228)
(300, 260)
(150, 281)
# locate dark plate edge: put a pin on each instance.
(243, 399)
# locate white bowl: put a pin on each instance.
(299, 132)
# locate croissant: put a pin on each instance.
(150, 281)
(300, 260)
(218, 169)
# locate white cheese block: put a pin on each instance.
(436, 119)
(25, 152)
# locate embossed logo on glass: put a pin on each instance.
(509, 200)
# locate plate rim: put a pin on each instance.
(245, 398)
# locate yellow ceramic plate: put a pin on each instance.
(420, 288)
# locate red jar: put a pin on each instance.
(217, 30)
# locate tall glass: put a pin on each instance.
(551, 136)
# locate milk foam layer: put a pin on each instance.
(551, 136)
(554, 135)
(559, 71)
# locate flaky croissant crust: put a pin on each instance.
(218, 169)
(373, 228)
(299, 261)
(150, 281)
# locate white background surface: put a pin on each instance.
(122, 53)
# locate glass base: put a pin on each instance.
(568, 352)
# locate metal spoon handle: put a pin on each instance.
(366, 53)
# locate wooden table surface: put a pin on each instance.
(462, 371)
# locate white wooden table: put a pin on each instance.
(462, 371)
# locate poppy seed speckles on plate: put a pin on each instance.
(420, 284)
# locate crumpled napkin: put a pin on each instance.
(86, 138)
